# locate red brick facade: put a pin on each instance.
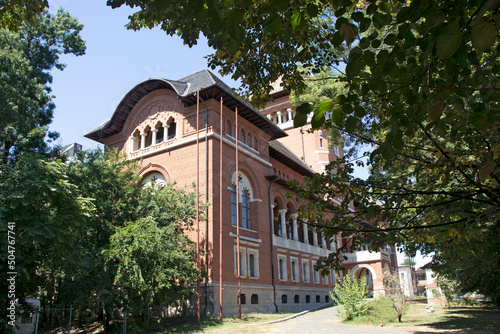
(156, 122)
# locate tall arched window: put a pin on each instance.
(249, 140)
(160, 134)
(243, 138)
(245, 198)
(234, 206)
(245, 209)
(172, 130)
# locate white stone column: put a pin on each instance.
(323, 240)
(283, 223)
(269, 116)
(280, 119)
(289, 114)
(132, 143)
(294, 225)
(165, 132)
(306, 231)
(143, 140)
(154, 131)
(315, 237)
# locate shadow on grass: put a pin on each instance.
(473, 320)
(206, 323)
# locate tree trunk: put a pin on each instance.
(399, 317)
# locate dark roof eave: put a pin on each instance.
(187, 94)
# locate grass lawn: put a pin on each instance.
(228, 325)
(456, 320)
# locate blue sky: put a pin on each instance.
(91, 86)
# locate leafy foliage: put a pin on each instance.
(27, 56)
(14, 12)
(351, 295)
(135, 249)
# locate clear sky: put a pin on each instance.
(91, 86)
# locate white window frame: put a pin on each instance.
(296, 271)
(243, 263)
(306, 276)
(285, 276)
(255, 253)
(315, 273)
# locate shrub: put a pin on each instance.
(351, 295)
(378, 310)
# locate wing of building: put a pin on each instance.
(156, 123)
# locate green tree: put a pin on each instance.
(111, 182)
(27, 57)
(421, 87)
(351, 295)
(134, 249)
(14, 12)
(45, 210)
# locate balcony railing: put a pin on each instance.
(300, 246)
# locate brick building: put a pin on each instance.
(156, 123)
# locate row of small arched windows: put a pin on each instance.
(153, 136)
(244, 137)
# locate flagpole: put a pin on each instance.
(198, 311)
(238, 215)
(220, 212)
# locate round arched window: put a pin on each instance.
(155, 179)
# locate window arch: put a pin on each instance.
(171, 129)
(242, 136)
(245, 197)
(229, 128)
(155, 179)
(245, 209)
(249, 140)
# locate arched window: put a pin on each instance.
(229, 128)
(242, 138)
(149, 138)
(245, 209)
(308, 299)
(160, 134)
(234, 206)
(296, 299)
(249, 140)
(245, 198)
(154, 179)
(301, 232)
(172, 130)
(284, 299)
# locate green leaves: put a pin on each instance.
(273, 24)
(297, 20)
(449, 41)
(484, 35)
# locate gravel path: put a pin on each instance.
(326, 321)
